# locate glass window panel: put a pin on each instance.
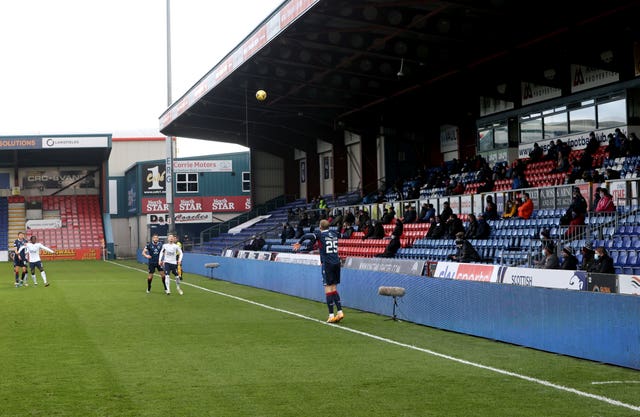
(485, 140)
(582, 120)
(501, 137)
(613, 113)
(555, 125)
(531, 131)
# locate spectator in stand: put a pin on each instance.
(549, 258)
(337, 219)
(596, 198)
(588, 259)
(363, 217)
(349, 217)
(510, 209)
(256, 243)
(346, 231)
(536, 153)
(569, 260)
(423, 211)
(446, 212)
(545, 239)
(437, 229)
(287, 233)
(490, 209)
(304, 220)
(398, 230)
(552, 152)
(484, 230)
(391, 249)
(388, 216)
(613, 149)
(431, 213)
(465, 252)
(472, 227)
(605, 204)
(299, 231)
(374, 231)
(574, 215)
(454, 226)
(634, 145)
(520, 181)
(410, 214)
(526, 208)
(562, 164)
(603, 262)
(592, 145)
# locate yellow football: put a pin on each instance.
(261, 95)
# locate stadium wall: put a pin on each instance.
(594, 326)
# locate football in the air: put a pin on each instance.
(261, 95)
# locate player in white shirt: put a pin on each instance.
(32, 248)
(170, 257)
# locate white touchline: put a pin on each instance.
(416, 348)
(614, 382)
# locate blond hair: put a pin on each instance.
(324, 224)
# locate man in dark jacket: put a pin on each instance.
(569, 261)
(603, 262)
(465, 251)
(484, 230)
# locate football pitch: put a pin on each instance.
(95, 344)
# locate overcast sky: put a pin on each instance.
(99, 66)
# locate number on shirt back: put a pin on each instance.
(332, 246)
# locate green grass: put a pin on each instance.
(95, 344)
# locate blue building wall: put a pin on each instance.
(596, 326)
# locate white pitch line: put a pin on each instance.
(419, 349)
(614, 382)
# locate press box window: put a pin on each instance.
(246, 182)
(187, 182)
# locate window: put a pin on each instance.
(187, 182)
(246, 182)
(501, 137)
(531, 131)
(582, 120)
(555, 125)
(485, 140)
(613, 113)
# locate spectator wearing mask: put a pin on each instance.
(569, 260)
(605, 204)
(549, 258)
(526, 208)
(472, 227)
(346, 231)
(603, 262)
(588, 259)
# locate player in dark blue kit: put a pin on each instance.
(19, 261)
(328, 248)
(152, 253)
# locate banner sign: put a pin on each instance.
(203, 166)
(217, 204)
(298, 258)
(466, 272)
(629, 284)
(449, 137)
(44, 224)
(396, 266)
(159, 219)
(75, 142)
(576, 141)
(534, 93)
(153, 178)
(81, 254)
(547, 278)
(250, 254)
(584, 78)
(56, 178)
(194, 218)
(603, 283)
(7, 143)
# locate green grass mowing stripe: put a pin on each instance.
(433, 353)
(114, 350)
